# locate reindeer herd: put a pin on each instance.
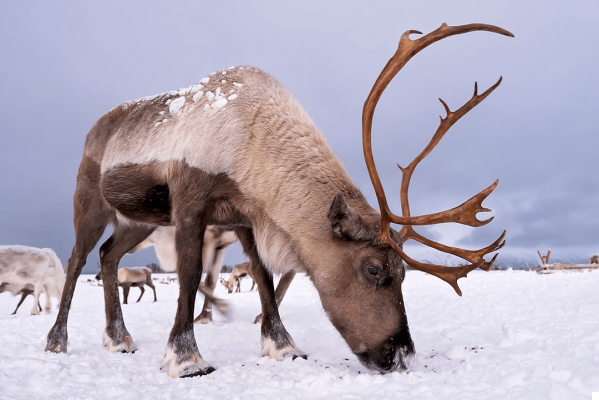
(236, 158)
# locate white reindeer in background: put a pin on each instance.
(23, 290)
(236, 150)
(29, 267)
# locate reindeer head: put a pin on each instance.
(370, 267)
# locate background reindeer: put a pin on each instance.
(133, 277)
(238, 151)
(239, 272)
(25, 268)
(594, 259)
(14, 289)
(216, 240)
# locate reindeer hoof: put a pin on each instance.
(203, 318)
(258, 319)
(280, 351)
(189, 373)
(124, 345)
(194, 365)
(56, 348)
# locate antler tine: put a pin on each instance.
(473, 256)
(407, 49)
(448, 274)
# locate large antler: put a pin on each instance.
(464, 213)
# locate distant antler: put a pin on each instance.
(464, 213)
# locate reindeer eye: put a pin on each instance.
(373, 270)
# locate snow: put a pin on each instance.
(209, 95)
(220, 103)
(205, 80)
(176, 105)
(238, 84)
(198, 95)
(232, 97)
(512, 335)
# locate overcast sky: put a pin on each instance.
(64, 64)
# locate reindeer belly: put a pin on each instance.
(148, 193)
(138, 193)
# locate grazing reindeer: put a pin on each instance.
(216, 240)
(239, 271)
(133, 276)
(24, 291)
(237, 150)
(594, 259)
(26, 267)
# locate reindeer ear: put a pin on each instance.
(346, 223)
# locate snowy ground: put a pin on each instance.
(513, 335)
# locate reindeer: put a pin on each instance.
(133, 276)
(29, 267)
(216, 240)
(237, 150)
(594, 259)
(24, 291)
(239, 271)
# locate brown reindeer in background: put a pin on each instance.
(239, 272)
(133, 277)
(238, 151)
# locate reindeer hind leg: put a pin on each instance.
(91, 217)
(123, 239)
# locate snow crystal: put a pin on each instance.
(156, 124)
(217, 94)
(183, 92)
(232, 97)
(198, 96)
(161, 112)
(209, 95)
(240, 67)
(173, 92)
(205, 80)
(238, 84)
(195, 88)
(168, 102)
(206, 107)
(176, 105)
(223, 81)
(219, 104)
(224, 72)
(164, 120)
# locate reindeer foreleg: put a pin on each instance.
(276, 341)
